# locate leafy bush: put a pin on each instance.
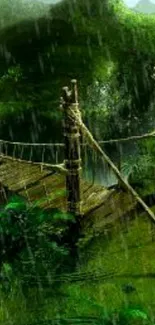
(31, 239)
(139, 169)
(128, 316)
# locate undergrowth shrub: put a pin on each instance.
(31, 240)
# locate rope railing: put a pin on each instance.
(31, 144)
(18, 156)
(134, 137)
(59, 167)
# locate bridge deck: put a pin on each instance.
(46, 187)
(100, 206)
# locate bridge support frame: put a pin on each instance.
(72, 149)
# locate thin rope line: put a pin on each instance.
(59, 167)
(31, 144)
(134, 137)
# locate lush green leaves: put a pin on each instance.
(131, 315)
(33, 235)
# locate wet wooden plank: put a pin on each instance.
(17, 175)
(114, 206)
(48, 191)
(99, 205)
(52, 193)
(93, 195)
(12, 169)
(94, 200)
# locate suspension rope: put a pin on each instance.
(93, 143)
(32, 144)
(56, 155)
(31, 153)
(14, 151)
(59, 167)
(134, 137)
(43, 156)
(6, 149)
(22, 152)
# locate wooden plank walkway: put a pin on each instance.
(46, 186)
(100, 206)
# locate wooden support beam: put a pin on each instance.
(72, 149)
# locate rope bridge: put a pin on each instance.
(4, 144)
(75, 125)
(21, 145)
(74, 128)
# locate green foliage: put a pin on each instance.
(111, 51)
(115, 38)
(139, 165)
(135, 313)
(30, 234)
(9, 83)
(14, 73)
(139, 168)
(128, 316)
(13, 103)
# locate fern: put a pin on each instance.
(137, 166)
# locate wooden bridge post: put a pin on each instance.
(72, 149)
